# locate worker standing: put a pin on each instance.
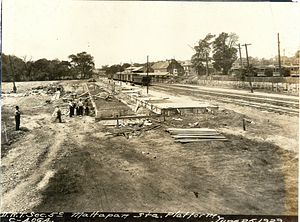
(76, 110)
(80, 106)
(58, 114)
(17, 117)
(86, 107)
(71, 106)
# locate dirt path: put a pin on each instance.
(74, 166)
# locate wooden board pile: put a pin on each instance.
(195, 135)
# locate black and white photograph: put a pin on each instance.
(151, 110)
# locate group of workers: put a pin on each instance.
(79, 107)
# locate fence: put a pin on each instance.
(288, 85)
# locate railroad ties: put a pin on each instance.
(189, 135)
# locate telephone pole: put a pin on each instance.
(147, 81)
(279, 62)
(250, 83)
(241, 61)
(120, 78)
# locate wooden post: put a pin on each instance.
(117, 121)
(5, 130)
(244, 124)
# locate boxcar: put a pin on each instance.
(141, 80)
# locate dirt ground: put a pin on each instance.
(76, 166)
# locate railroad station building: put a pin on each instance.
(171, 66)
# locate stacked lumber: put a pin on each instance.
(189, 135)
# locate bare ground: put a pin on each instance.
(75, 166)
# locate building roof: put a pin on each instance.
(137, 69)
(161, 65)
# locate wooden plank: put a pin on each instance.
(200, 134)
(192, 132)
(200, 137)
(201, 140)
(190, 129)
(129, 91)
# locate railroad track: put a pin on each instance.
(288, 106)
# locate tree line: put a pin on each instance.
(81, 65)
(222, 51)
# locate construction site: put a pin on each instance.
(148, 149)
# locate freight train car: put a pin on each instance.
(293, 70)
(135, 78)
(141, 79)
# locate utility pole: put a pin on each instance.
(147, 75)
(251, 88)
(279, 62)
(241, 61)
(120, 78)
(13, 75)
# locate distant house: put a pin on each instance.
(171, 66)
(188, 67)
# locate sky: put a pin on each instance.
(115, 32)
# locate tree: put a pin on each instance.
(12, 68)
(114, 69)
(202, 54)
(83, 64)
(265, 62)
(28, 68)
(63, 69)
(224, 53)
(125, 65)
(42, 71)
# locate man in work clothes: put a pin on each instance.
(86, 105)
(58, 114)
(80, 106)
(71, 106)
(17, 117)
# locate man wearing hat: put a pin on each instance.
(17, 117)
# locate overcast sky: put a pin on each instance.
(114, 32)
